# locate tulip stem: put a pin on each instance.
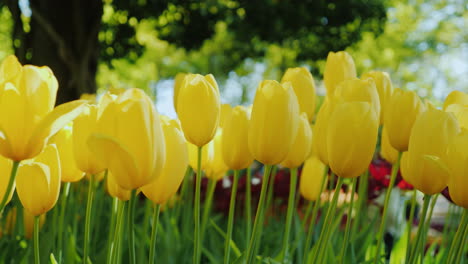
(113, 226)
(115, 249)
(362, 199)
(314, 216)
(388, 194)
(409, 225)
(154, 232)
(37, 258)
(131, 231)
(207, 207)
(348, 222)
(456, 240)
(259, 214)
(63, 206)
(11, 183)
(232, 208)
(248, 203)
(325, 234)
(196, 213)
(462, 242)
(290, 212)
(89, 206)
(419, 235)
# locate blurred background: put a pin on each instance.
(96, 45)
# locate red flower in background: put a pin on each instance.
(380, 172)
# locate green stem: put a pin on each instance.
(232, 208)
(317, 203)
(461, 247)
(419, 235)
(131, 230)
(456, 240)
(348, 222)
(207, 207)
(37, 258)
(325, 234)
(11, 183)
(409, 225)
(383, 222)
(154, 231)
(427, 225)
(271, 187)
(248, 203)
(362, 199)
(290, 212)
(196, 212)
(259, 214)
(115, 250)
(113, 226)
(307, 214)
(89, 206)
(183, 192)
(63, 206)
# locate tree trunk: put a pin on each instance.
(64, 36)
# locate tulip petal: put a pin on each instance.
(52, 123)
(117, 158)
(32, 185)
(9, 69)
(50, 157)
(5, 168)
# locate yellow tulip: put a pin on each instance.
(83, 126)
(178, 80)
(274, 122)
(401, 111)
(115, 190)
(460, 112)
(133, 148)
(458, 166)
(215, 167)
(339, 67)
(456, 97)
(319, 144)
(352, 137)
(225, 114)
(304, 87)
(312, 176)
(425, 163)
(356, 90)
(64, 142)
(198, 108)
(28, 220)
(27, 99)
(302, 146)
(38, 181)
(236, 153)
(172, 175)
(384, 86)
(90, 98)
(5, 170)
(387, 152)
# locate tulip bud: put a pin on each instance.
(172, 175)
(304, 88)
(28, 96)
(115, 190)
(178, 80)
(274, 122)
(425, 164)
(235, 148)
(312, 176)
(192, 150)
(28, 220)
(215, 166)
(38, 181)
(320, 130)
(456, 97)
(133, 149)
(356, 90)
(64, 142)
(5, 170)
(302, 146)
(402, 110)
(458, 166)
(339, 67)
(83, 126)
(225, 114)
(198, 108)
(352, 137)
(384, 88)
(387, 152)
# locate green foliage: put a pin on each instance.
(6, 28)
